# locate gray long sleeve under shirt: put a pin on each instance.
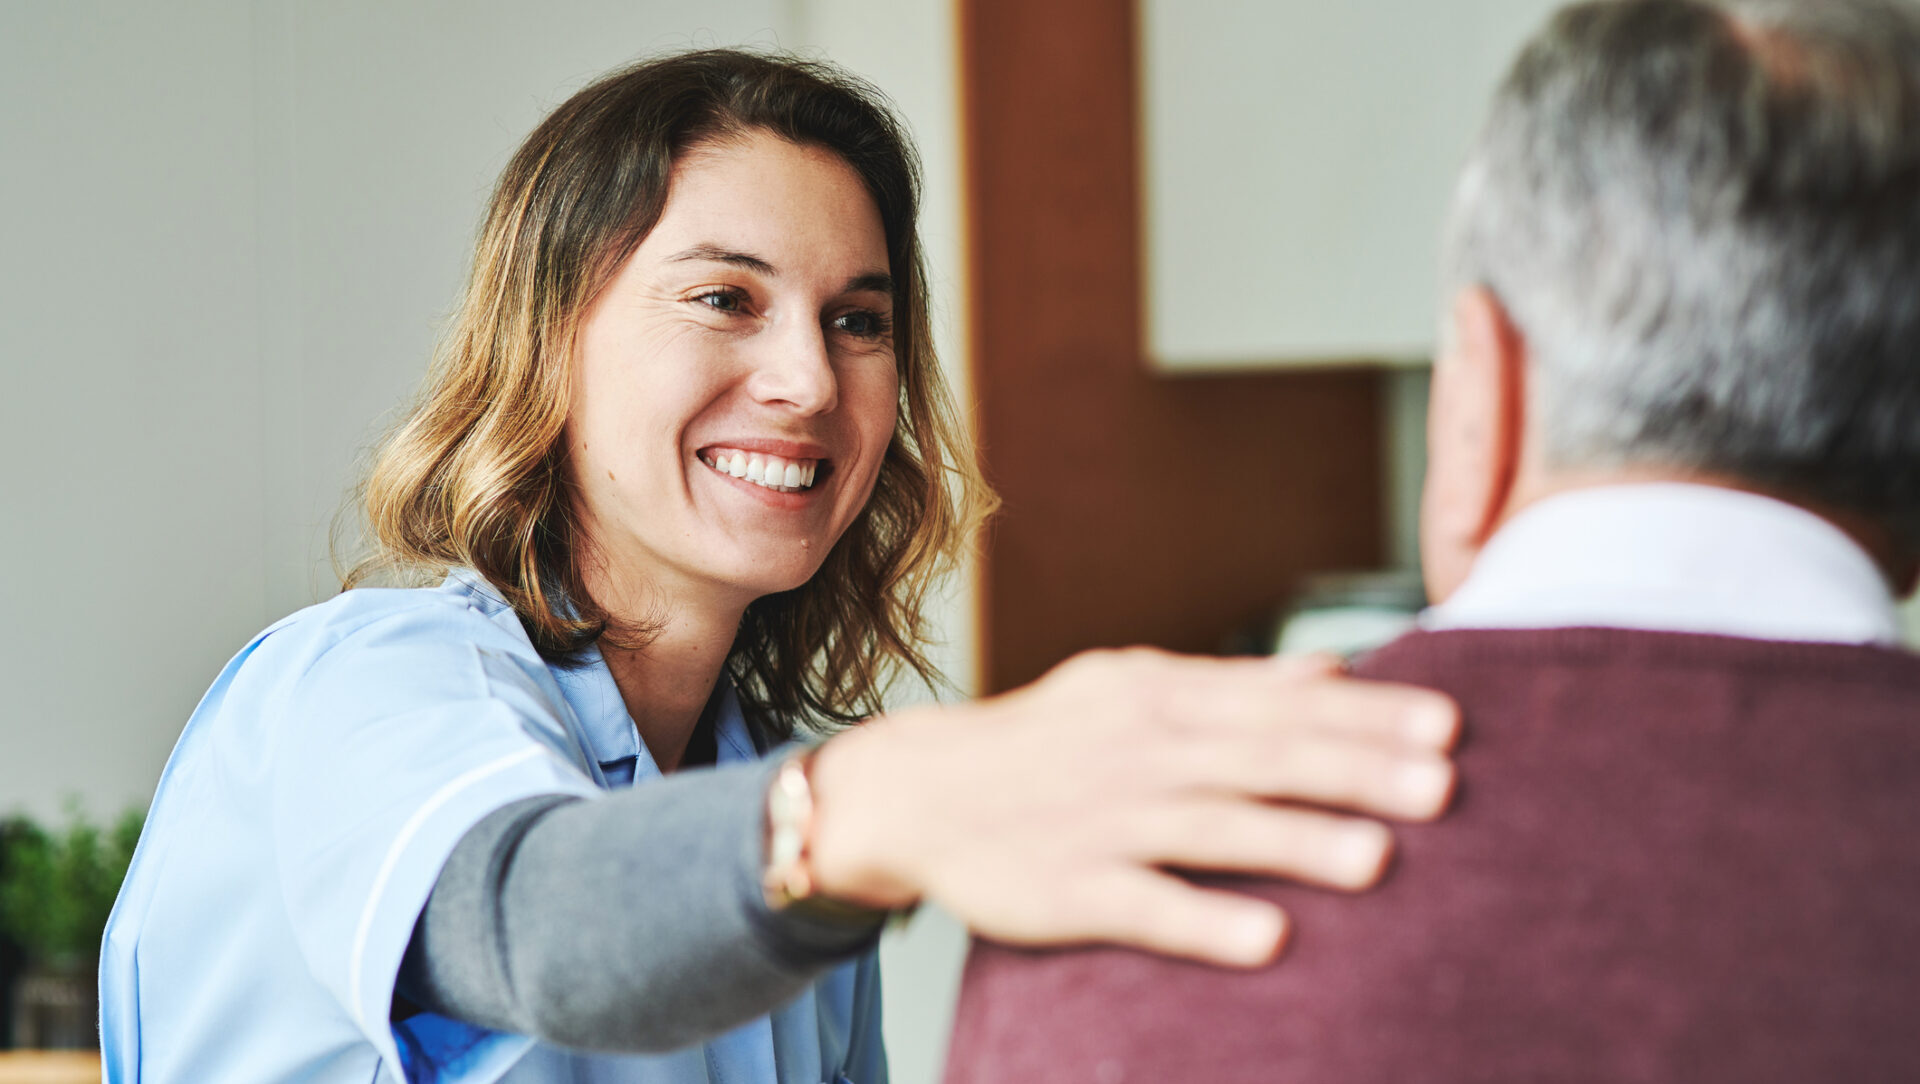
(629, 923)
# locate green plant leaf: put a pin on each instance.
(57, 887)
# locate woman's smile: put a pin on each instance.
(767, 472)
(780, 466)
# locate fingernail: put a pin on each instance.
(1423, 786)
(1363, 851)
(1433, 725)
(1255, 934)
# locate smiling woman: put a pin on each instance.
(683, 475)
(746, 330)
(716, 226)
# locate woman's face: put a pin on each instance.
(734, 384)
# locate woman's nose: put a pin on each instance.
(794, 369)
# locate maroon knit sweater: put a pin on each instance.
(1674, 858)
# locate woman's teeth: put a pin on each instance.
(770, 471)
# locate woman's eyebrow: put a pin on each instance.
(716, 254)
(876, 281)
(867, 281)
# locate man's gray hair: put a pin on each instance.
(1705, 220)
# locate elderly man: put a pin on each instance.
(1674, 492)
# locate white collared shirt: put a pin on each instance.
(1676, 558)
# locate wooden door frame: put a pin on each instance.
(1139, 508)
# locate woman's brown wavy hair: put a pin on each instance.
(477, 474)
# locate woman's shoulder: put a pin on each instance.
(462, 605)
(460, 615)
(447, 658)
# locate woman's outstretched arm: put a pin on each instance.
(1049, 815)
(633, 922)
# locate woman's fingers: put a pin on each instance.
(1310, 665)
(1317, 768)
(1147, 909)
(1186, 693)
(1227, 836)
(1049, 815)
(1263, 695)
(1393, 714)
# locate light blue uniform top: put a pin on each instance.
(303, 818)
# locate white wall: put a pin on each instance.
(234, 231)
(131, 421)
(1298, 156)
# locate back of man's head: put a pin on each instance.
(1704, 220)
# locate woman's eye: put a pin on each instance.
(863, 324)
(721, 300)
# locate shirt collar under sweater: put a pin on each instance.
(1675, 558)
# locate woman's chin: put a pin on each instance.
(762, 581)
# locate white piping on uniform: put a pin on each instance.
(440, 797)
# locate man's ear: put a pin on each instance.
(1475, 424)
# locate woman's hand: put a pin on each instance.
(1045, 815)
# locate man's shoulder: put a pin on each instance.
(1703, 817)
(1460, 659)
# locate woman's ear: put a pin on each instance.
(1474, 430)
